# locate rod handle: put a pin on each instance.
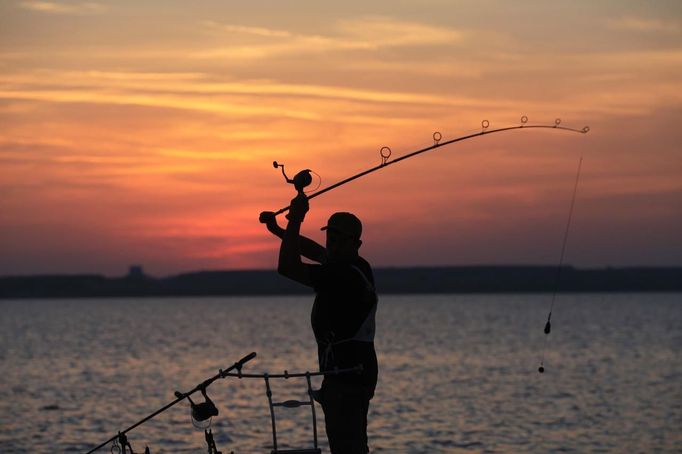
(282, 210)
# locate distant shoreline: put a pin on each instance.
(415, 280)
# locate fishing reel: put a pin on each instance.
(301, 180)
(121, 445)
(200, 413)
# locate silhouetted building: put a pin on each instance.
(136, 272)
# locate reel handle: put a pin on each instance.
(300, 181)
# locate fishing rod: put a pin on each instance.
(200, 412)
(304, 178)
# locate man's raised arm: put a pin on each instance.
(310, 249)
(290, 264)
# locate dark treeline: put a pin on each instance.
(456, 279)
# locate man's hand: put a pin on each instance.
(269, 219)
(298, 208)
(309, 248)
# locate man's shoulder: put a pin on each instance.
(366, 269)
(364, 262)
(344, 273)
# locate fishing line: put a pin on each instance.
(548, 325)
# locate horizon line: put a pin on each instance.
(137, 270)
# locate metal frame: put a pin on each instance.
(292, 404)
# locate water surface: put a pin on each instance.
(457, 373)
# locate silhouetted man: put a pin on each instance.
(343, 317)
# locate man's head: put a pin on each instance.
(343, 236)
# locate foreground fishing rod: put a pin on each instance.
(200, 412)
(304, 178)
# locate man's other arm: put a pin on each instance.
(309, 249)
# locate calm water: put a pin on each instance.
(457, 373)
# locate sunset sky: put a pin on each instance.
(143, 132)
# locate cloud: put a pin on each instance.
(162, 101)
(190, 92)
(367, 33)
(644, 25)
(256, 31)
(376, 32)
(196, 91)
(63, 7)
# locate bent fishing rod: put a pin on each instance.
(304, 178)
(202, 411)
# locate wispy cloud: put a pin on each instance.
(367, 33)
(256, 31)
(206, 92)
(64, 7)
(167, 101)
(251, 101)
(640, 24)
(376, 32)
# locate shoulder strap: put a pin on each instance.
(364, 278)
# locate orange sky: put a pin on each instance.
(144, 132)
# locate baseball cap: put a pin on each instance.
(345, 223)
